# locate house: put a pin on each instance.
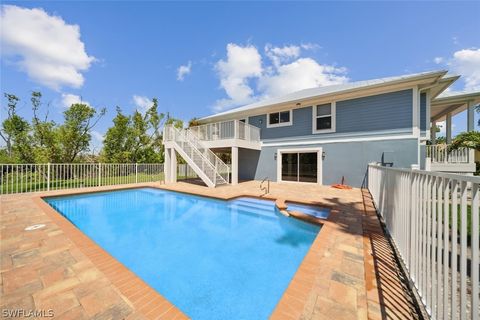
(321, 135)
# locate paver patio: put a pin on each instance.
(349, 272)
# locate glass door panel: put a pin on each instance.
(290, 166)
(307, 171)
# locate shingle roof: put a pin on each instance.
(326, 90)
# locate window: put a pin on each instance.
(279, 119)
(324, 118)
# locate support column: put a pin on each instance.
(433, 132)
(470, 117)
(448, 130)
(234, 165)
(173, 165)
(167, 166)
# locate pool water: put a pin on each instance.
(213, 259)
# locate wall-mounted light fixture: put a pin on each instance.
(275, 156)
(323, 155)
(260, 121)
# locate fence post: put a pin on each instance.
(99, 174)
(48, 177)
(136, 172)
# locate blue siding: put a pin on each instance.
(348, 159)
(302, 125)
(374, 113)
(423, 111)
(380, 112)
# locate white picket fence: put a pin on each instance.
(21, 178)
(433, 219)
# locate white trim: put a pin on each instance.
(416, 111)
(325, 141)
(333, 114)
(280, 124)
(318, 150)
(428, 114)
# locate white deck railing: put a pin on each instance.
(433, 219)
(210, 166)
(233, 129)
(440, 153)
(21, 178)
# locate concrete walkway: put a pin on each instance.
(349, 272)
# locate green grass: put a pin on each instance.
(459, 221)
(31, 184)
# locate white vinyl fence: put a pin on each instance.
(20, 178)
(433, 219)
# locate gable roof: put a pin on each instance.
(329, 90)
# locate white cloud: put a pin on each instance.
(301, 74)
(467, 63)
(142, 103)
(242, 64)
(280, 55)
(44, 46)
(184, 70)
(68, 99)
(246, 78)
(438, 60)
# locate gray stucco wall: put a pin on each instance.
(349, 159)
(374, 113)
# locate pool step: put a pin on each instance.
(254, 205)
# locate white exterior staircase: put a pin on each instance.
(206, 164)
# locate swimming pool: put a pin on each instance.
(213, 259)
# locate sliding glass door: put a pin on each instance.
(300, 166)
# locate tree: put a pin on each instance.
(116, 145)
(46, 148)
(193, 122)
(469, 139)
(74, 134)
(15, 132)
(137, 138)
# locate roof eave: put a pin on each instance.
(435, 75)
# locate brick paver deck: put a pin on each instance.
(349, 272)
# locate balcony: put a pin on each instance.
(440, 158)
(233, 133)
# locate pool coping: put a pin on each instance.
(151, 303)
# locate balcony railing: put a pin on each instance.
(440, 153)
(233, 129)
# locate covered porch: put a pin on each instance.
(443, 109)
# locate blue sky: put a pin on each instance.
(136, 49)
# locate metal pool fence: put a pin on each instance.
(21, 178)
(433, 220)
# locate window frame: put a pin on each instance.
(333, 115)
(280, 124)
(318, 150)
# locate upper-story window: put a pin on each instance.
(324, 118)
(279, 119)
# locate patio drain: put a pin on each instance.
(34, 227)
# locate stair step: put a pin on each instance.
(255, 211)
